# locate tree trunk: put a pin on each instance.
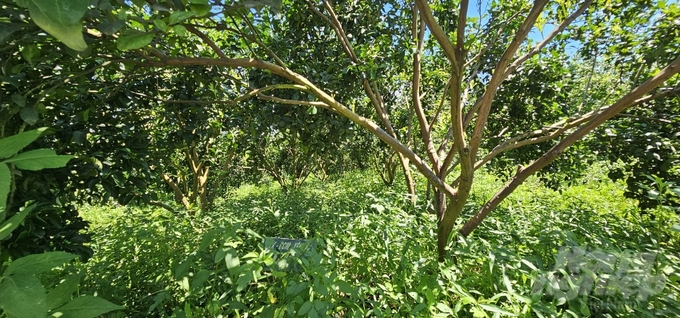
(179, 195)
(408, 178)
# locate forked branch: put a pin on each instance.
(636, 96)
(484, 103)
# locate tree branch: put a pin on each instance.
(257, 91)
(634, 97)
(179, 195)
(341, 109)
(295, 102)
(499, 75)
(462, 22)
(550, 37)
(492, 42)
(372, 93)
(661, 120)
(437, 32)
(258, 40)
(182, 101)
(207, 40)
(418, 36)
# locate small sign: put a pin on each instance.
(283, 245)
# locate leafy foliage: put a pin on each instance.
(21, 292)
(646, 139)
(371, 260)
(171, 96)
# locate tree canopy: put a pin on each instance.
(449, 86)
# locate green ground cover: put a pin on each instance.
(584, 251)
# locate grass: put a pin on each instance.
(584, 251)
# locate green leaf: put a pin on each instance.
(208, 238)
(312, 110)
(19, 100)
(305, 308)
(29, 115)
(244, 280)
(14, 143)
(378, 207)
(585, 311)
(61, 19)
(30, 53)
(675, 228)
(22, 3)
(200, 9)
(8, 226)
(200, 278)
(179, 30)
(133, 39)
(39, 159)
(160, 297)
(232, 260)
(6, 31)
(38, 263)
(345, 287)
(160, 25)
(86, 307)
(23, 296)
(179, 16)
(110, 28)
(445, 308)
(62, 293)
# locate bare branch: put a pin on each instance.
(634, 97)
(259, 41)
(418, 36)
(373, 93)
(337, 26)
(207, 40)
(295, 102)
(484, 103)
(557, 129)
(441, 104)
(587, 88)
(254, 92)
(462, 22)
(549, 38)
(437, 32)
(661, 120)
(317, 12)
(182, 101)
(243, 35)
(455, 207)
(533, 137)
(492, 42)
(258, 91)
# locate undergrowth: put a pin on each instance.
(584, 251)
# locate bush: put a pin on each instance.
(541, 253)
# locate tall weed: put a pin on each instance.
(541, 253)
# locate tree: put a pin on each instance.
(470, 55)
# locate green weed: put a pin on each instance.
(540, 254)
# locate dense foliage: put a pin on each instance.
(371, 258)
(445, 97)
(176, 104)
(22, 293)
